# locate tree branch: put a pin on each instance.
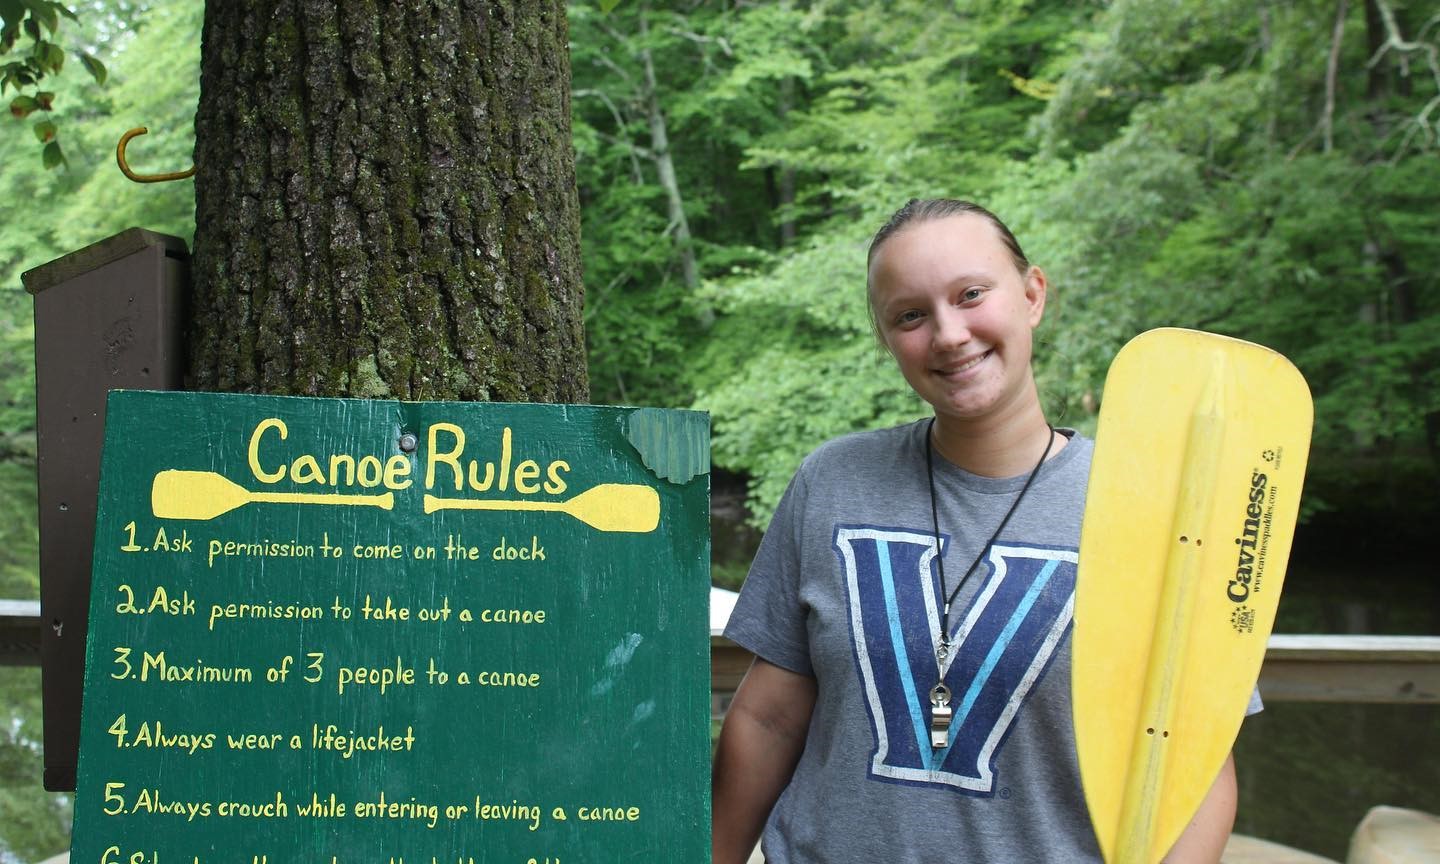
(1327, 117)
(665, 163)
(1434, 19)
(635, 149)
(702, 40)
(620, 124)
(620, 38)
(615, 67)
(1216, 318)
(1395, 41)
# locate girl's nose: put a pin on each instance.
(951, 328)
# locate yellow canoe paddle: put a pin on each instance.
(608, 507)
(178, 494)
(1194, 492)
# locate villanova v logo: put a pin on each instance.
(1005, 639)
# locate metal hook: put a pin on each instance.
(144, 178)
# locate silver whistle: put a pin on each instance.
(940, 716)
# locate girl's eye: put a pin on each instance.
(969, 295)
(909, 316)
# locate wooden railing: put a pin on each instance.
(1325, 668)
(19, 632)
(1298, 668)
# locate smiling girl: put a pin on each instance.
(910, 604)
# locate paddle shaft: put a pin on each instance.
(607, 507)
(1138, 813)
(433, 503)
(385, 501)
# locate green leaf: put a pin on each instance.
(11, 11)
(45, 131)
(21, 106)
(94, 67)
(44, 99)
(44, 12)
(54, 56)
(32, 29)
(65, 10)
(53, 156)
(608, 6)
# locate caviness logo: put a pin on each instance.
(1250, 565)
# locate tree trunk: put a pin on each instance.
(1376, 76)
(1332, 71)
(385, 202)
(787, 172)
(665, 164)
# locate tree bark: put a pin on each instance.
(385, 202)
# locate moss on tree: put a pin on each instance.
(386, 202)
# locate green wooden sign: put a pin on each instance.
(341, 631)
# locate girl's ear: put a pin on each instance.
(1036, 285)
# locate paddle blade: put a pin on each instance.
(1199, 459)
(617, 507)
(194, 495)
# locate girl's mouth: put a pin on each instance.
(961, 369)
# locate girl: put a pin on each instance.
(910, 604)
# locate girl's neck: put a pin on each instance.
(999, 447)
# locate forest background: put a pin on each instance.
(1261, 169)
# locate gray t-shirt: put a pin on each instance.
(843, 589)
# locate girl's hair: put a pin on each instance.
(924, 210)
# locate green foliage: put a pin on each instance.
(39, 20)
(154, 78)
(885, 103)
(784, 404)
(1214, 204)
(729, 575)
(37, 823)
(641, 317)
(1167, 163)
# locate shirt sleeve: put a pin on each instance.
(770, 617)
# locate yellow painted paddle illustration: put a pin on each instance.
(176, 494)
(608, 507)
